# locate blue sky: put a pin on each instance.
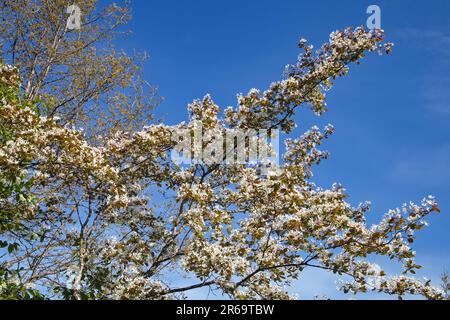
(391, 113)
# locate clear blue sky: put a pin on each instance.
(391, 113)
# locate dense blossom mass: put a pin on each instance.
(117, 219)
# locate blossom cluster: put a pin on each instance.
(124, 215)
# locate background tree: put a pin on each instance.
(78, 74)
(75, 76)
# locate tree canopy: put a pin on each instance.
(114, 217)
